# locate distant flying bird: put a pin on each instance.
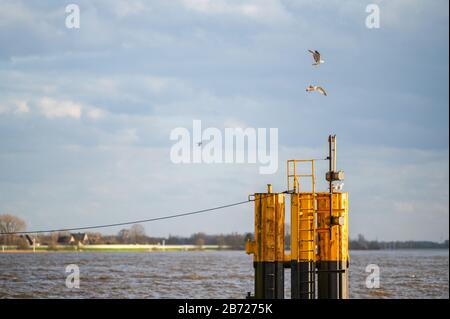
(200, 143)
(338, 187)
(316, 88)
(316, 55)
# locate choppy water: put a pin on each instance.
(404, 274)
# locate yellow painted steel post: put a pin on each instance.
(295, 178)
(302, 246)
(268, 245)
(319, 237)
(289, 175)
(333, 258)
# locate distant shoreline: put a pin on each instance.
(114, 248)
(150, 249)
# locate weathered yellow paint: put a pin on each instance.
(319, 235)
(302, 227)
(287, 257)
(336, 247)
(268, 244)
(250, 247)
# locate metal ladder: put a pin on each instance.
(292, 164)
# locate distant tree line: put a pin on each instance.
(11, 224)
(233, 241)
(362, 244)
(136, 235)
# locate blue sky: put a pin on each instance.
(86, 114)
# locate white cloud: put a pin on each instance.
(96, 113)
(404, 207)
(127, 136)
(234, 123)
(219, 7)
(156, 84)
(125, 8)
(3, 108)
(22, 107)
(408, 14)
(263, 9)
(14, 12)
(14, 106)
(51, 108)
(125, 87)
(153, 66)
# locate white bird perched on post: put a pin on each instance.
(316, 88)
(338, 187)
(316, 56)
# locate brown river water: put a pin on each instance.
(217, 274)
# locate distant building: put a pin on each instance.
(63, 240)
(73, 239)
(79, 238)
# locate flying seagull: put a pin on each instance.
(316, 55)
(316, 88)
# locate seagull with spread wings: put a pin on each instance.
(317, 58)
(316, 88)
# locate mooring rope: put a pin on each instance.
(142, 221)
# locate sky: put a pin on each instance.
(86, 114)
